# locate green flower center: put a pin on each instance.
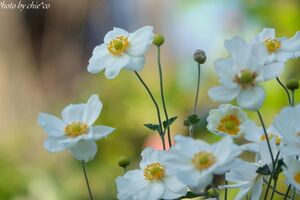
(75, 129)
(246, 78)
(118, 45)
(203, 160)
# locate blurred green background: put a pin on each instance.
(43, 59)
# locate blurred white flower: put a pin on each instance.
(292, 172)
(75, 131)
(194, 161)
(121, 50)
(152, 182)
(287, 123)
(241, 73)
(246, 178)
(227, 120)
(279, 49)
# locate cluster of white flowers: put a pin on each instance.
(189, 167)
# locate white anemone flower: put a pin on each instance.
(292, 172)
(227, 120)
(279, 49)
(75, 131)
(241, 73)
(152, 181)
(121, 50)
(256, 135)
(287, 123)
(195, 162)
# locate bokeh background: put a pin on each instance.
(43, 59)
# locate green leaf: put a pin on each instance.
(154, 127)
(264, 170)
(168, 123)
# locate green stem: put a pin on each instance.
(225, 198)
(161, 133)
(86, 180)
(286, 90)
(162, 94)
(274, 188)
(191, 129)
(293, 98)
(287, 192)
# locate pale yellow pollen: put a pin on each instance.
(270, 136)
(272, 45)
(118, 45)
(229, 124)
(297, 178)
(203, 160)
(75, 129)
(154, 172)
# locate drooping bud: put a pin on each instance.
(292, 84)
(199, 56)
(158, 40)
(124, 162)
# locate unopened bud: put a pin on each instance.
(199, 56)
(292, 84)
(124, 162)
(212, 193)
(158, 40)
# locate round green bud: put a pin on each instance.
(199, 56)
(123, 162)
(247, 77)
(292, 84)
(158, 40)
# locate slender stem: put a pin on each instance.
(293, 98)
(294, 193)
(86, 180)
(286, 90)
(276, 191)
(226, 190)
(162, 94)
(287, 192)
(274, 188)
(161, 133)
(272, 177)
(266, 135)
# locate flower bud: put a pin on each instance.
(212, 193)
(292, 84)
(158, 40)
(199, 56)
(123, 162)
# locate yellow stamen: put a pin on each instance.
(118, 45)
(297, 178)
(154, 172)
(203, 160)
(270, 136)
(75, 129)
(229, 124)
(272, 45)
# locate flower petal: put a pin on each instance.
(84, 150)
(267, 33)
(101, 131)
(136, 63)
(223, 68)
(272, 70)
(73, 113)
(140, 41)
(292, 44)
(223, 93)
(115, 64)
(53, 144)
(51, 124)
(115, 33)
(251, 98)
(92, 110)
(98, 59)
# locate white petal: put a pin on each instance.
(252, 98)
(265, 152)
(292, 44)
(283, 56)
(53, 144)
(272, 70)
(140, 41)
(242, 193)
(174, 185)
(223, 68)
(155, 191)
(267, 33)
(136, 63)
(84, 150)
(115, 33)
(223, 93)
(115, 64)
(244, 172)
(51, 124)
(73, 113)
(252, 132)
(252, 147)
(101, 131)
(92, 110)
(98, 59)
(257, 189)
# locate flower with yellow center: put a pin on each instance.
(203, 160)
(226, 120)
(75, 131)
(272, 45)
(292, 171)
(154, 172)
(121, 50)
(297, 177)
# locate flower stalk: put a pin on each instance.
(87, 180)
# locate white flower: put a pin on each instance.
(75, 131)
(279, 49)
(256, 135)
(287, 123)
(227, 120)
(194, 161)
(152, 182)
(246, 178)
(241, 74)
(292, 172)
(121, 50)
